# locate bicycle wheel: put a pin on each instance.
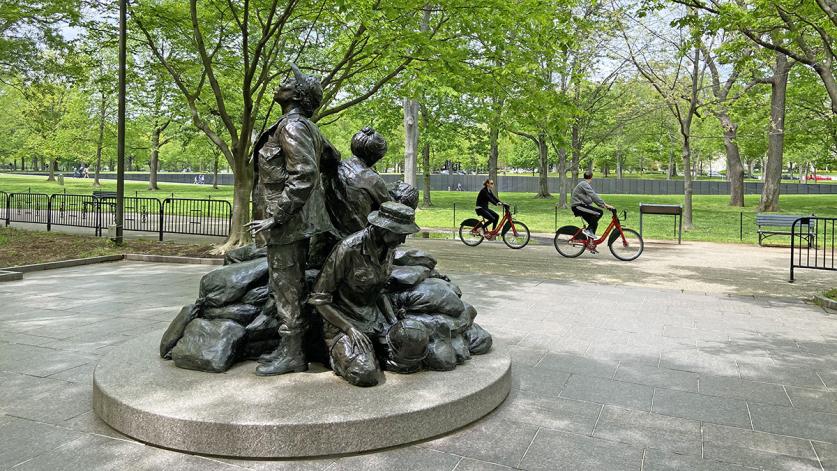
(466, 235)
(517, 241)
(630, 248)
(565, 242)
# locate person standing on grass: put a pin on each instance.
(582, 204)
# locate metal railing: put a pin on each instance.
(818, 251)
(4, 211)
(211, 217)
(73, 210)
(196, 216)
(28, 207)
(140, 215)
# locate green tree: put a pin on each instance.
(223, 57)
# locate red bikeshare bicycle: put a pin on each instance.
(625, 244)
(515, 234)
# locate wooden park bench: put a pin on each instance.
(674, 210)
(780, 224)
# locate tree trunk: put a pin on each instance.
(575, 145)
(411, 132)
(619, 164)
(52, 164)
(153, 162)
(543, 167)
(562, 177)
(215, 171)
(100, 140)
(776, 136)
(826, 73)
(425, 160)
(735, 170)
(242, 191)
(493, 156)
(687, 181)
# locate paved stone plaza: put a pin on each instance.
(607, 376)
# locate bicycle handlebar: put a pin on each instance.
(624, 214)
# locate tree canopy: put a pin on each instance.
(674, 87)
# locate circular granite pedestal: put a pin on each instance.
(303, 414)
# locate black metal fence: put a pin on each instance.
(28, 207)
(210, 217)
(817, 252)
(193, 216)
(4, 198)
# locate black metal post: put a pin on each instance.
(120, 126)
(793, 237)
(454, 221)
(680, 230)
(49, 214)
(162, 217)
(640, 221)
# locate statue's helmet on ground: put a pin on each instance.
(408, 343)
(368, 146)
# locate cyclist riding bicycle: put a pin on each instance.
(582, 204)
(484, 197)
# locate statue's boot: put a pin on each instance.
(288, 358)
(269, 357)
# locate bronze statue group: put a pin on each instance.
(332, 285)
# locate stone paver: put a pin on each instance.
(620, 374)
(719, 410)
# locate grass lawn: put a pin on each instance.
(84, 186)
(714, 220)
(19, 247)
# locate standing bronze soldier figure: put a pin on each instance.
(290, 194)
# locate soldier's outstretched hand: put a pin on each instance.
(259, 225)
(359, 340)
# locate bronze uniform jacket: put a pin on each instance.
(289, 188)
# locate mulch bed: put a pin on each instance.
(19, 247)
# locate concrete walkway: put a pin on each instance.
(695, 267)
(623, 370)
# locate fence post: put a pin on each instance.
(741, 225)
(454, 221)
(162, 217)
(793, 237)
(97, 206)
(49, 213)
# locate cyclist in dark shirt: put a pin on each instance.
(483, 198)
